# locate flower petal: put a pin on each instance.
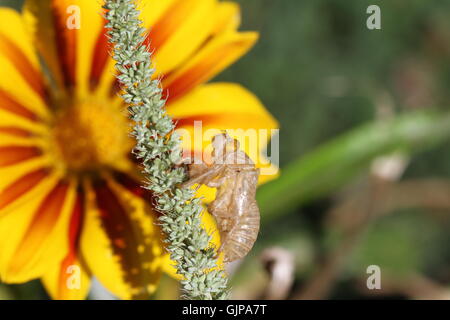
(208, 194)
(181, 31)
(129, 180)
(224, 106)
(153, 10)
(11, 106)
(103, 72)
(91, 29)
(10, 174)
(37, 240)
(47, 33)
(177, 29)
(66, 33)
(70, 279)
(18, 133)
(14, 132)
(13, 154)
(228, 17)
(214, 57)
(222, 98)
(21, 186)
(17, 138)
(120, 242)
(61, 280)
(16, 46)
(19, 96)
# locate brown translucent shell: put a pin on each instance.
(235, 209)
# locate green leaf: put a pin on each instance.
(331, 165)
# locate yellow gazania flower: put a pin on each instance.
(70, 199)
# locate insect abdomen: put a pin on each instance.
(241, 238)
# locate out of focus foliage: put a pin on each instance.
(323, 74)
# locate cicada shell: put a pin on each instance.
(234, 209)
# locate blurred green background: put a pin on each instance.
(344, 96)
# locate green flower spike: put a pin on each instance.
(159, 149)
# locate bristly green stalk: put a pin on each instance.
(158, 147)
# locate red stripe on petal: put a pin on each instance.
(76, 221)
(132, 185)
(234, 120)
(10, 155)
(65, 42)
(189, 121)
(44, 220)
(149, 43)
(64, 274)
(237, 120)
(17, 132)
(115, 88)
(208, 62)
(191, 78)
(21, 186)
(128, 243)
(10, 105)
(29, 73)
(167, 24)
(136, 188)
(114, 217)
(101, 56)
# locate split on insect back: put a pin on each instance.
(235, 210)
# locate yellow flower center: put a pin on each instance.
(90, 135)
